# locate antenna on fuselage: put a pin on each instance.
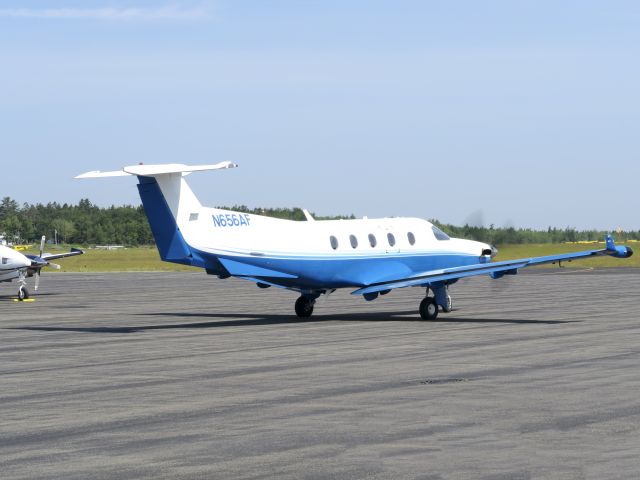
(308, 216)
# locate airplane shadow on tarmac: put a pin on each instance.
(253, 320)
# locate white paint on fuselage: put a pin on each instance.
(10, 262)
(276, 237)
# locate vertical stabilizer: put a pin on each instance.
(169, 204)
(162, 212)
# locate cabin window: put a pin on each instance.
(5, 261)
(391, 239)
(353, 240)
(334, 242)
(412, 238)
(193, 217)
(440, 235)
(372, 240)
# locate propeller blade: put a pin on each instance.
(42, 245)
(37, 283)
(475, 219)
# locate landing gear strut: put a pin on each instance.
(304, 306)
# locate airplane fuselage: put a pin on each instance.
(324, 254)
(304, 255)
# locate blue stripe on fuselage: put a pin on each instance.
(325, 273)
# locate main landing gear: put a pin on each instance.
(429, 305)
(304, 306)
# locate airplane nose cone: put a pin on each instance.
(494, 251)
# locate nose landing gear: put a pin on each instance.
(23, 293)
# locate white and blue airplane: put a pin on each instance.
(315, 258)
(14, 264)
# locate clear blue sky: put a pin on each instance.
(526, 110)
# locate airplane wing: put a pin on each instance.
(495, 269)
(53, 256)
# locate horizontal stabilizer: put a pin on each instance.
(98, 173)
(160, 169)
(241, 269)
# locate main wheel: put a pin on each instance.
(304, 307)
(449, 305)
(428, 308)
(23, 293)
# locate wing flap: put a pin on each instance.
(241, 269)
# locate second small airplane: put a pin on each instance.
(14, 264)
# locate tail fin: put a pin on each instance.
(168, 201)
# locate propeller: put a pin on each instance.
(37, 282)
(476, 220)
(39, 261)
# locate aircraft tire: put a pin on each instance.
(428, 308)
(449, 305)
(304, 307)
(23, 293)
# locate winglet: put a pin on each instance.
(610, 243)
(615, 251)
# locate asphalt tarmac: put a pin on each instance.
(180, 375)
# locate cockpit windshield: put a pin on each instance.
(439, 234)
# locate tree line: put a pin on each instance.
(88, 224)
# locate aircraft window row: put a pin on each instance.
(353, 240)
(5, 261)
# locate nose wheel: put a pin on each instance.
(23, 293)
(428, 308)
(304, 306)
